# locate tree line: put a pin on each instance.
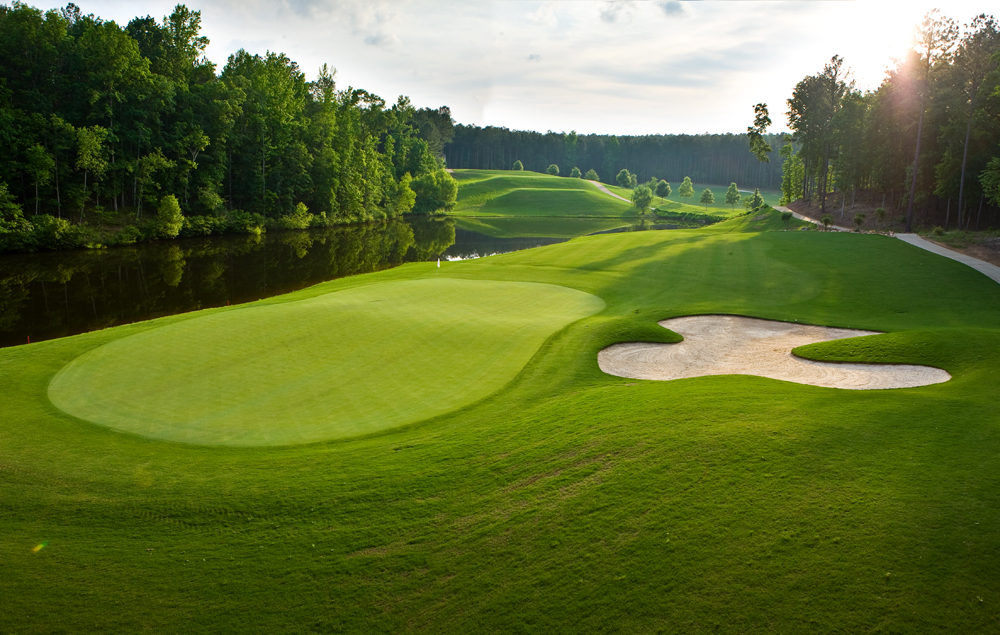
(100, 124)
(707, 158)
(926, 141)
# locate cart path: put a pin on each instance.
(989, 270)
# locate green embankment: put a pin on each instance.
(538, 201)
(567, 500)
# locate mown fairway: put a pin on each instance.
(567, 500)
(498, 193)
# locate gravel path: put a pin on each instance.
(733, 345)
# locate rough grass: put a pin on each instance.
(569, 500)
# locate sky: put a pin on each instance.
(604, 67)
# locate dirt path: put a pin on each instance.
(601, 187)
(734, 345)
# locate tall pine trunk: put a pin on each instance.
(916, 164)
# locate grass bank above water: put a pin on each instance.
(567, 500)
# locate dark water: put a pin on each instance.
(55, 294)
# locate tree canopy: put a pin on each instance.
(686, 189)
(96, 116)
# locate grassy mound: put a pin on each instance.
(339, 365)
(527, 194)
(568, 500)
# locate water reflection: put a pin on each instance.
(48, 295)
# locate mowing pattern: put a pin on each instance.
(339, 365)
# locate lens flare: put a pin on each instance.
(39, 547)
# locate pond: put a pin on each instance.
(55, 294)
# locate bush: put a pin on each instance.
(553, 169)
(203, 226)
(129, 235)
(240, 222)
(937, 231)
(574, 173)
(518, 166)
(591, 175)
(298, 219)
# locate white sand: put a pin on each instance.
(731, 345)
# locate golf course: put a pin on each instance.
(435, 449)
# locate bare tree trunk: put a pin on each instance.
(913, 181)
(826, 174)
(947, 214)
(980, 214)
(58, 197)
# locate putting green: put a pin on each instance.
(339, 365)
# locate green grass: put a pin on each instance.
(542, 226)
(567, 500)
(525, 194)
(339, 365)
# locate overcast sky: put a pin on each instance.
(608, 67)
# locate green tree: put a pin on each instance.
(405, 196)
(792, 174)
(624, 178)
(686, 189)
(733, 196)
(518, 166)
(41, 165)
(934, 42)
(990, 180)
(574, 173)
(642, 196)
(591, 175)
(707, 198)
(826, 220)
(633, 181)
(755, 202)
(435, 191)
(663, 190)
(90, 156)
(553, 169)
(759, 147)
(169, 218)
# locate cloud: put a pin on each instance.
(609, 13)
(673, 8)
(534, 57)
(371, 20)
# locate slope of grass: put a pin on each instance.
(569, 500)
(505, 193)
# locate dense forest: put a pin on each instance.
(708, 158)
(926, 140)
(115, 134)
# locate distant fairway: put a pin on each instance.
(498, 193)
(343, 364)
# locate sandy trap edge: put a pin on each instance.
(736, 345)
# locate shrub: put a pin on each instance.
(937, 231)
(553, 169)
(518, 165)
(859, 220)
(203, 226)
(574, 173)
(591, 175)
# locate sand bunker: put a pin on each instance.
(731, 345)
